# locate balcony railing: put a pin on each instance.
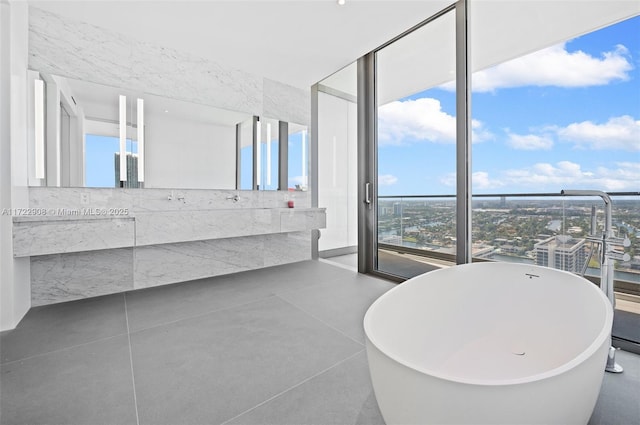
(537, 228)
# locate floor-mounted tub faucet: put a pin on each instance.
(607, 257)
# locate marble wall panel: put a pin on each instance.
(75, 49)
(284, 248)
(170, 263)
(286, 103)
(65, 277)
(302, 219)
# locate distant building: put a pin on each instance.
(132, 170)
(561, 252)
(397, 209)
(382, 211)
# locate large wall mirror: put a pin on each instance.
(91, 135)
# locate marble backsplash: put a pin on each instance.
(141, 200)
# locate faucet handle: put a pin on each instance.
(626, 242)
(619, 255)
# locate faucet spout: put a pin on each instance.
(607, 258)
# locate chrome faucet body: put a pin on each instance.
(607, 257)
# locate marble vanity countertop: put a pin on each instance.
(68, 231)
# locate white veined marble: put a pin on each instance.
(170, 263)
(65, 277)
(149, 200)
(286, 103)
(61, 236)
(75, 49)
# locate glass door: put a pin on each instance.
(416, 150)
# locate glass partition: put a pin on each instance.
(416, 146)
(338, 162)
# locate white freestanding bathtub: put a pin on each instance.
(489, 343)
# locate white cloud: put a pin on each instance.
(387, 180)
(546, 177)
(617, 133)
(554, 66)
(529, 142)
(421, 120)
(624, 178)
(448, 179)
(479, 180)
(569, 175)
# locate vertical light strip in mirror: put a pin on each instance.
(268, 154)
(123, 138)
(304, 158)
(140, 121)
(258, 153)
(39, 128)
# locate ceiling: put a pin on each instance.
(297, 42)
(301, 42)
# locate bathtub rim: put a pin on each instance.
(602, 337)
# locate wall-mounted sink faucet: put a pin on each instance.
(608, 254)
(179, 197)
(234, 198)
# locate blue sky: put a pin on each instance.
(100, 166)
(564, 117)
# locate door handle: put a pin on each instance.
(367, 193)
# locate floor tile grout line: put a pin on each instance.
(195, 316)
(261, 298)
(326, 282)
(133, 377)
(295, 386)
(321, 321)
(59, 350)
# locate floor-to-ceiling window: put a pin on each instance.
(416, 149)
(565, 115)
(555, 107)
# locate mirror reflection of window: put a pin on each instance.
(102, 158)
(269, 155)
(246, 155)
(298, 158)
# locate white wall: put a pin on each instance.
(185, 154)
(337, 171)
(15, 289)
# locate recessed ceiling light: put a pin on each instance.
(342, 2)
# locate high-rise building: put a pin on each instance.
(397, 209)
(132, 170)
(561, 252)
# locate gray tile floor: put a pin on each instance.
(282, 345)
